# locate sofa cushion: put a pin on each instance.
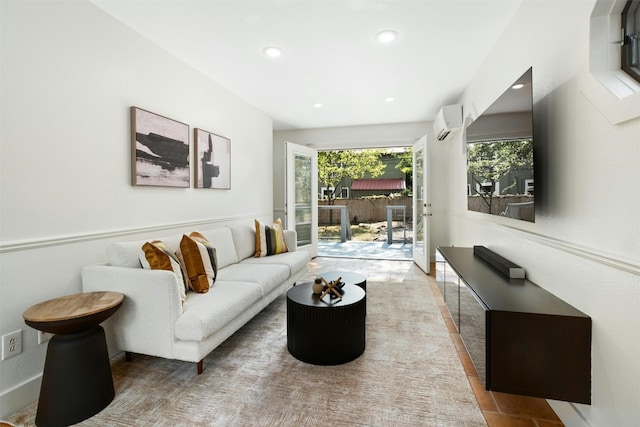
(269, 239)
(268, 277)
(222, 240)
(244, 237)
(198, 258)
(205, 314)
(156, 255)
(127, 254)
(295, 261)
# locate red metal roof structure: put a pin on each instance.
(396, 184)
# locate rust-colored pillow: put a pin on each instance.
(156, 255)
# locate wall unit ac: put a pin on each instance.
(448, 120)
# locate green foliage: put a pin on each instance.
(405, 160)
(488, 161)
(391, 196)
(333, 166)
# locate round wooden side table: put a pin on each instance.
(76, 381)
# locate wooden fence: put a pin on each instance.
(499, 205)
(365, 210)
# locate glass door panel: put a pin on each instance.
(420, 206)
(301, 200)
(303, 205)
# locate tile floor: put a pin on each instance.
(499, 409)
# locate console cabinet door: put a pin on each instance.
(440, 276)
(474, 318)
(452, 293)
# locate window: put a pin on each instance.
(620, 101)
(631, 38)
(528, 186)
(326, 192)
(488, 188)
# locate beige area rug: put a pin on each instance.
(409, 375)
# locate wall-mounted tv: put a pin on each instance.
(500, 169)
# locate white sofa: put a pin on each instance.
(153, 320)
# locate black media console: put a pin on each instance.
(521, 338)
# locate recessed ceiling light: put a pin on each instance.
(272, 51)
(518, 86)
(386, 36)
(317, 105)
(389, 99)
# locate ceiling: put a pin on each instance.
(329, 52)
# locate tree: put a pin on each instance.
(488, 161)
(405, 161)
(405, 165)
(334, 166)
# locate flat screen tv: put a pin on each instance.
(500, 169)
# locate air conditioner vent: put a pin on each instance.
(448, 120)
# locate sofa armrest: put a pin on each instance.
(291, 239)
(144, 323)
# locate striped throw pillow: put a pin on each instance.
(270, 239)
(199, 260)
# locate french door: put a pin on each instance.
(421, 206)
(301, 201)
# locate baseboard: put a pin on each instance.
(14, 399)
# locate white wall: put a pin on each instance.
(585, 244)
(69, 75)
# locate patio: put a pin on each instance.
(366, 250)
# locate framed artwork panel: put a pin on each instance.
(160, 150)
(213, 160)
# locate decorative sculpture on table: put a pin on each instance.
(318, 285)
(322, 287)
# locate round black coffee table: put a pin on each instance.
(325, 331)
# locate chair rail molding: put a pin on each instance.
(84, 237)
(610, 260)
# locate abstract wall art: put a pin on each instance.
(213, 160)
(160, 150)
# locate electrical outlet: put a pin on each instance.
(11, 344)
(43, 337)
